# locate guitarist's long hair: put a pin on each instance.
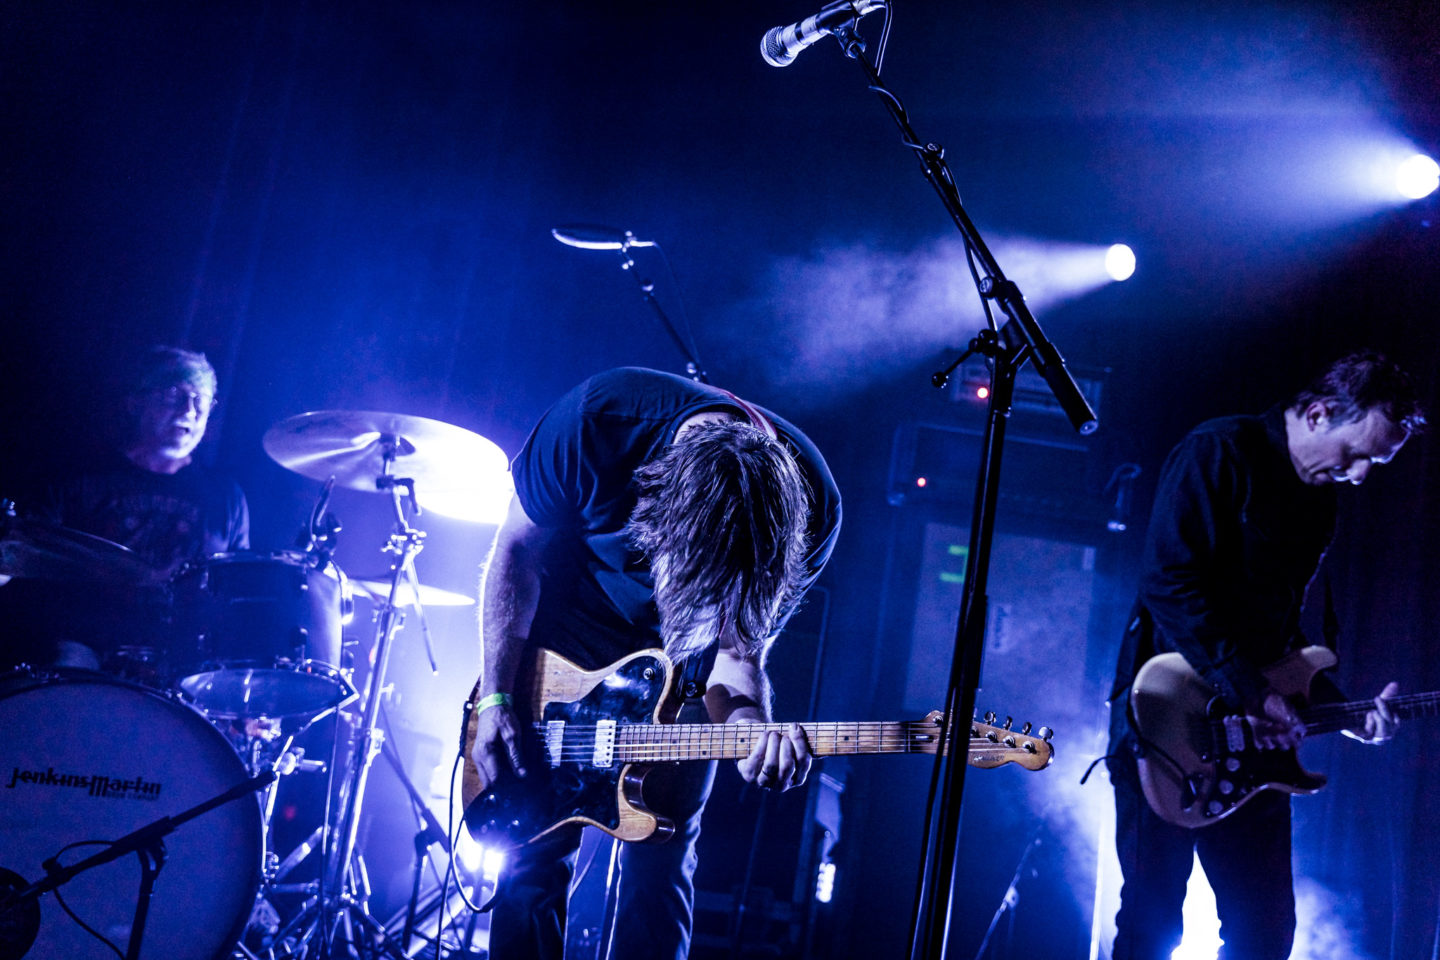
(722, 517)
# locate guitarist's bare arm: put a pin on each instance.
(509, 596)
(738, 691)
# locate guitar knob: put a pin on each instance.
(1214, 808)
(1008, 721)
(1025, 729)
(1225, 787)
(990, 717)
(1232, 764)
(1046, 733)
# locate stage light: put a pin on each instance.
(479, 861)
(1202, 924)
(1120, 262)
(1417, 177)
(825, 883)
(982, 393)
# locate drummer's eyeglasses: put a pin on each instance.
(181, 396)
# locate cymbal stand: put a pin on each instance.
(347, 906)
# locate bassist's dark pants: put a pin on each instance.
(655, 893)
(1246, 858)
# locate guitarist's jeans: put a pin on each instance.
(1246, 857)
(655, 893)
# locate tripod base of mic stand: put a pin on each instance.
(340, 928)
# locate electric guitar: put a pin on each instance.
(1200, 765)
(590, 736)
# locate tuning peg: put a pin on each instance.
(990, 717)
(1046, 733)
(1008, 721)
(1026, 728)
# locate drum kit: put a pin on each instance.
(111, 761)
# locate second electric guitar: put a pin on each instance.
(1202, 764)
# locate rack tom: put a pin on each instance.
(259, 635)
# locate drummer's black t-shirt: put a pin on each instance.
(166, 519)
(574, 475)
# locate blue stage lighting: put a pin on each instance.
(1120, 262)
(1417, 177)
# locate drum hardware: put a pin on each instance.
(410, 460)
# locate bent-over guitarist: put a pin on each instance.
(1245, 509)
(650, 511)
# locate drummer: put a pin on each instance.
(146, 493)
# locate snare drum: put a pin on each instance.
(86, 759)
(258, 635)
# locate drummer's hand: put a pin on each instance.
(497, 744)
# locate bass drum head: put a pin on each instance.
(86, 758)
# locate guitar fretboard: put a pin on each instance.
(1329, 717)
(658, 743)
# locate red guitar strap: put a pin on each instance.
(752, 412)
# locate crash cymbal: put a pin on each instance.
(456, 473)
(42, 550)
(378, 588)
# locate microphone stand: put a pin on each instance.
(1019, 340)
(19, 918)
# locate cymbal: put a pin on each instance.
(378, 588)
(456, 473)
(42, 550)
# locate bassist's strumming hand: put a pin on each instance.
(497, 743)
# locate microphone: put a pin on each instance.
(588, 236)
(781, 45)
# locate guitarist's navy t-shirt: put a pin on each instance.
(574, 475)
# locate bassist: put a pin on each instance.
(1244, 511)
(650, 511)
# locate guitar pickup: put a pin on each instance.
(1234, 733)
(604, 753)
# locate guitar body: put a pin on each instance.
(1198, 765)
(519, 810)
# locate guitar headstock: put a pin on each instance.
(992, 745)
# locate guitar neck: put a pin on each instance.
(652, 743)
(1329, 717)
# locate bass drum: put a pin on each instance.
(86, 759)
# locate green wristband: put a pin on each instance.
(494, 700)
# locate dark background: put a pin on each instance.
(348, 205)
